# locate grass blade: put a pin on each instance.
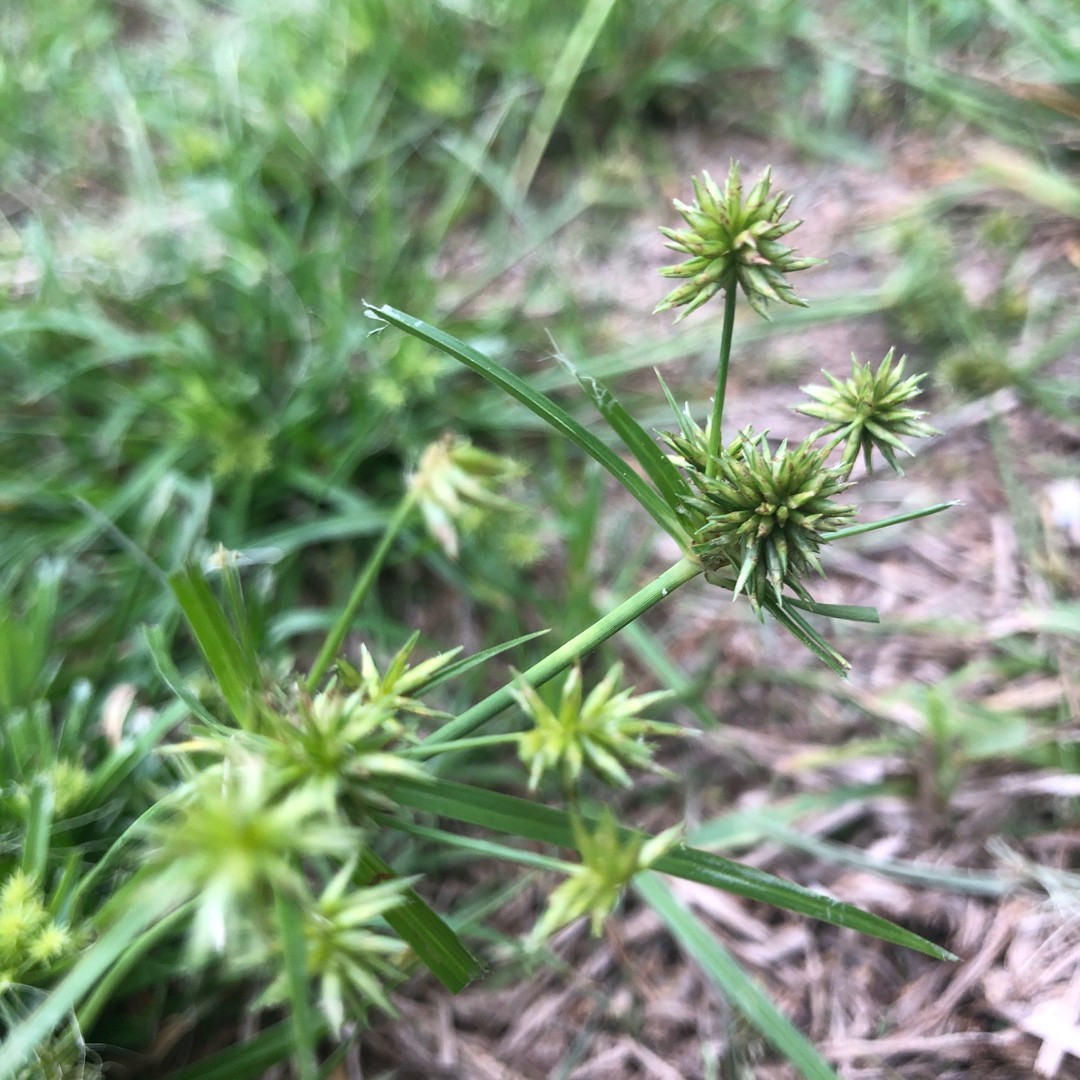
(419, 926)
(236, 669)
(671, 484)
(801, 629)
(453, 671)
(552, 414)
(563, 76)
(848, 612)
(305, 1028)
(248, 1061)
(520, 817)
(884, 523)
(742, 992)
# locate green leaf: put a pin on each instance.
(167, 671)
(235, 667)
(484, 848)
(39, 820)
(248, 1061)
(459, 667)
(561, 78)
(744, 828)
(850, 612)
(555, 662)
(291, 538)
(435, 944)
(305, 1028)
(950, 879)
(801, 629)
(742, 992)
(671, 484)
(885, 523)
(548, 411)
(534, 821)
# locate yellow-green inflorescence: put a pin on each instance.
(763, 512)
(31, 940)
(349, 957)
(456, 486)
(733, 241)
(610, 857)
(604, 732)
(868, 410)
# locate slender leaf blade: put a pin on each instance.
(306, 1029)
(248, 1061)
(741, 991)
(459, 667)
(419, 926)
(235, 668)
(534, 821)
(847, 612)
(801, 629)
(671, 484)
(552, 414)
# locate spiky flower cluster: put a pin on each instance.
(868, 410)
(604, 733)
(455, 485)
(610, 857)
(31, 940)
(345, 742)
(292, 790)
(732, 240)
(343, 746)
(350, 961)
(763, 513)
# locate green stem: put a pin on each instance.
(721, 379)
(107, 986)
(627, 612)
(332, 644)
(305, 1024)
(427, 750)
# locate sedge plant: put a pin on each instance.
(269, 858)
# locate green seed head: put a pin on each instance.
(610, 857)
(763, 513)
(456, 485)
(732, 240)
(604, 733)
(868, 410)
(349, 958)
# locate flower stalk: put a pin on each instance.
(631, 609)
(716, 425)
(364, 582)
(732, 242)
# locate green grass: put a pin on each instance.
(196, 201)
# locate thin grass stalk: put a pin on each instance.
(364, 582)
(721, 379)
(627, 612)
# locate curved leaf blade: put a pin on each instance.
(552, 414)
(534, 821)
(741, 991)
(671, 484)
(421, 927)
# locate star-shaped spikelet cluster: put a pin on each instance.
(732, 241)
